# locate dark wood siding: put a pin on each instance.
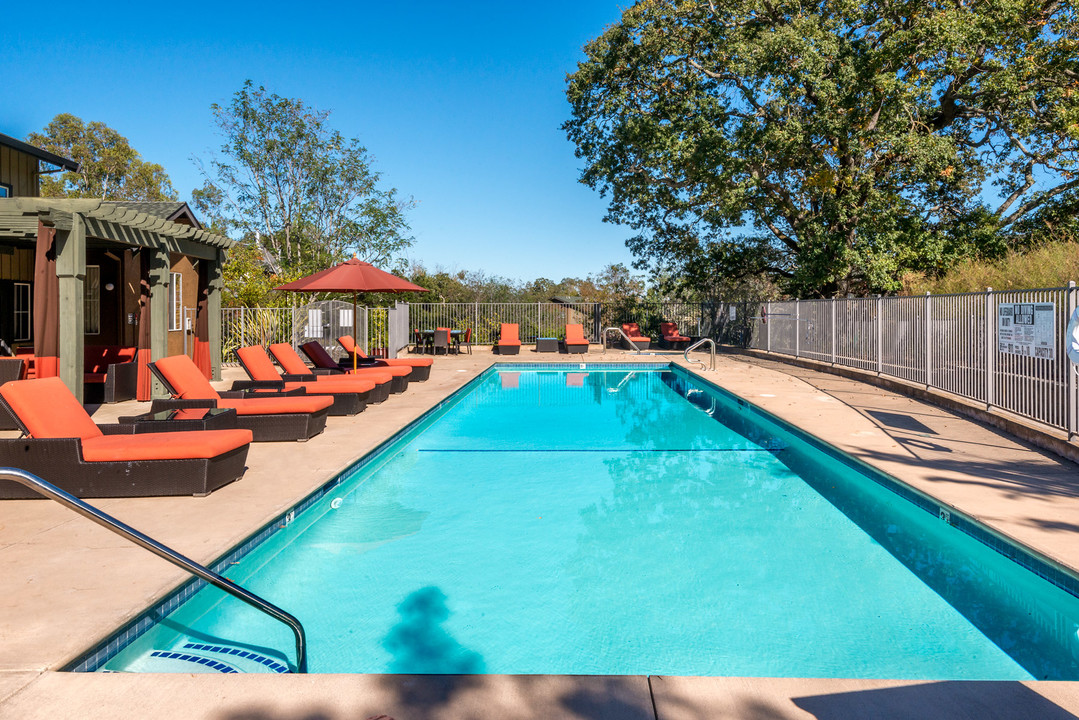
(18, 170)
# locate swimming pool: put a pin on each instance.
(618, 520)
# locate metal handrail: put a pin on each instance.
(603, 340)
(107, 521)
(696, 345)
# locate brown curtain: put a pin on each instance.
(201, 346)
(46, 305)
(143, 355)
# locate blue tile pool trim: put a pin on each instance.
(1041, 565)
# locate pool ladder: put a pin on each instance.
(696, 345)
(603, 340)
(125, 531)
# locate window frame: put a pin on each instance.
(176, 301)
(91, 305)
(6, 191)
(27, 311)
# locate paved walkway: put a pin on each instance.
(69, 583)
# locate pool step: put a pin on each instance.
(206, 658)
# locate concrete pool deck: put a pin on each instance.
(68, 583)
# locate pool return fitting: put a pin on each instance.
(125, 531)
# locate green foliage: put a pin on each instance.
(249, 281)
(109, 168)
(829, 146)
(1049, 265)
(615, 283)
(297, 187)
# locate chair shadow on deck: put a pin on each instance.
(953, 700)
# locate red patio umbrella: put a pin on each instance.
(352, 276)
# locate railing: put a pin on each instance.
(696, 345)
(125, 531)
(603, 339)
(964, 344)
(533, 320)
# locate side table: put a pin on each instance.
(182, 419)
(546, 344)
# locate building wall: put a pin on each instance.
(190, 282)
(18, 170)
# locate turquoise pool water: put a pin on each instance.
(621, 522)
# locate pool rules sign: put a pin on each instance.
(1027, 329)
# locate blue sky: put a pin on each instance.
(460, 104)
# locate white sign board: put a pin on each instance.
(1027, 329)
(314, 323)
(733, 313)
(344, 317)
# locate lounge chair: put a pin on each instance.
(349, 393)
(271, 417)
(633, 332)
(421, 367)
(670, 337)
(66, 448)
(465, 341)
(387, 379)
(509, 340)
(575, 341)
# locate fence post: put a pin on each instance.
(880, 334)
(243, 328)
(1069, 369)
(797, 329)
(476, 320)
(990, 349)
(768, 325)
(834, 302)
(928, 341)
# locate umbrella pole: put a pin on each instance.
(355, 337)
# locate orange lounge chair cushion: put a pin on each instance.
(349, 345)
(258, 364)
(276, 405)
(164, 445)
(289, 361)
(48, 409)
(509, 335)
(343, 384)
(388, 372)
(186, 378)
(575, 335)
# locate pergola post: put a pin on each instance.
(71, 272)
(215, 283)
(159, 312)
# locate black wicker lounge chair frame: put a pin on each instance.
(59, 461)
(277, 427)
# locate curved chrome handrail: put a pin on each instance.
(603, 340)
(107, 521)
(696, 345)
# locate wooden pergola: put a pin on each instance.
(80, 223)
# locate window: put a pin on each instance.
(5, 191)
(23, 303)
(91, 299)
(176, 301)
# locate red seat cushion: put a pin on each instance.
(93, 377)
(287, 358)
(257, 363)
(164, 445)
(186, 378)
(276, 405)
(48, 409)
(341, 384)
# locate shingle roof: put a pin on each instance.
(167, 210)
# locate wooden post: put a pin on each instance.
(71, 272)
(213, 308)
